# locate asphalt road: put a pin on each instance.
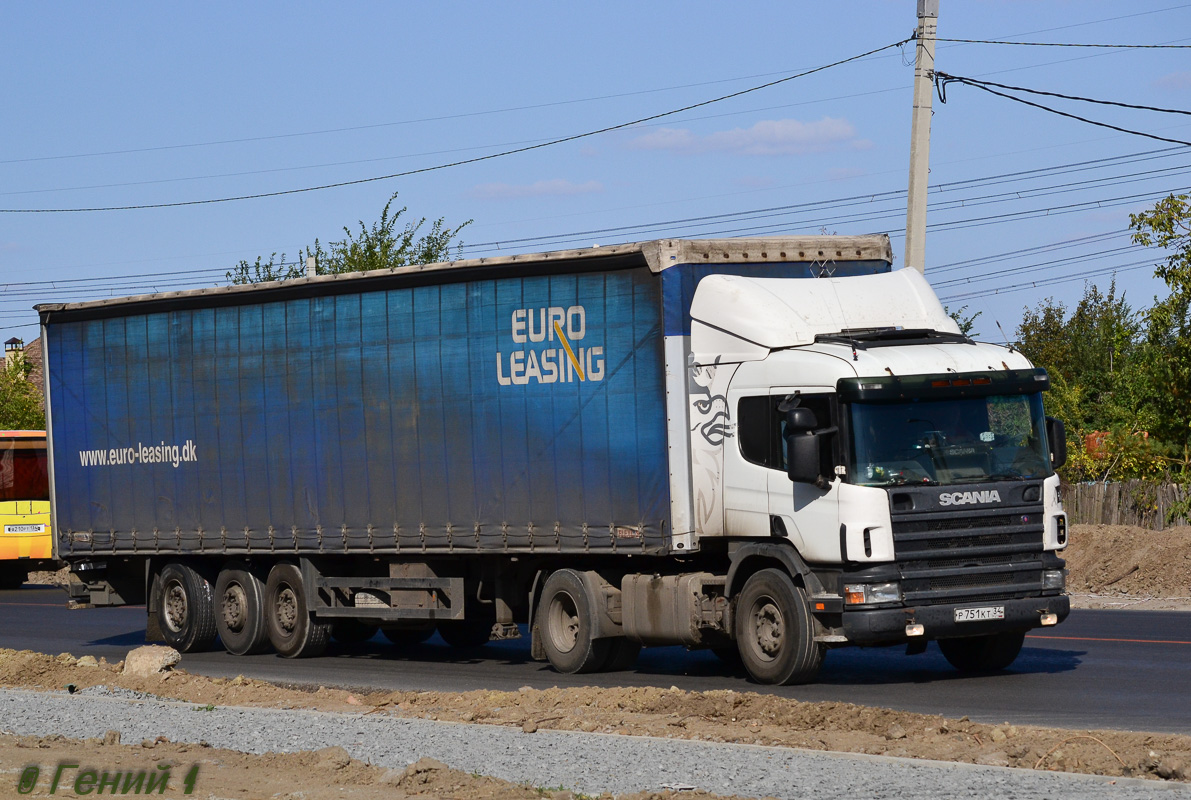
(1127, 670)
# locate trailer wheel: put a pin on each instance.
(983, 653)
(407, 637)
(294, 632)
(240, 596)
(564, 619)
(352, 631)
(775, 631)
(186, 607)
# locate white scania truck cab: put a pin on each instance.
(905, 472)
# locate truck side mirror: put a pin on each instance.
(802, 457)
(1056, 437)
(800, 420)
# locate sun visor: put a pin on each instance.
(742, 319)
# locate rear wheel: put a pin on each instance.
(983, 653)
(352, 631)
(293, 630)
(564, 620)
(775, 631)
(240, 617)
(186, 608)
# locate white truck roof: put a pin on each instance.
(743, 319)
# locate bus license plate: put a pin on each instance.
(977, 614)
(24, 528)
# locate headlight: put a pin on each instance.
(860, 593)
(1053, 578)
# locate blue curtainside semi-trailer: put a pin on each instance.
(545, 440)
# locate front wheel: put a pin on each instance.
(186, 605)
(990, 653)
(775, 632)
(293, 630)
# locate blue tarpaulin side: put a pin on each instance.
(508, 413)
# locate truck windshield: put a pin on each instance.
(949, 441)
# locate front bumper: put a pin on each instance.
(888, 625)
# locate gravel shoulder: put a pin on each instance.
(722, 716)
(370, 756)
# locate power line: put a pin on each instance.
(1043, 265)
(1071, 44)
(945, 78)
(994, 258)
(981, 84)
(1047, 282)
(477, 159)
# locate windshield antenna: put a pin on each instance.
(1008, 343)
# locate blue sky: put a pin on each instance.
(143, 103)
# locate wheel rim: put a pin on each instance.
(176, 606)
(563, 622)
(768, 628)
(287, 610)
(235, 607)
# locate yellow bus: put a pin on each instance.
(26, 542)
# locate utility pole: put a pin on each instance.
(928, 16)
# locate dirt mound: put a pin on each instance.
(1125, 563)
(320, 775)
(719, 716)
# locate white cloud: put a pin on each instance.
(780, 137)
(552, 188)
(1175, 81)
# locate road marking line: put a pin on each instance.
(1099, 639)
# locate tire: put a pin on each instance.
(990, 653)
(564, 621)
(622, 655)
(293, 630)
(775, 631)
(186, 608)
(240, 611)
(408, 637)
(467, 632)
(352, 631)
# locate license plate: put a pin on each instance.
(977, 614)
(24, 528)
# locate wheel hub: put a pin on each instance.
(769, 628)
(235, 607)
(564, 622)
(175, 607)
(287, 609)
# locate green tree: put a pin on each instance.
(1091, 356)
(1167, 350)
(19, 406)
(379, 246)
(965, 322)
